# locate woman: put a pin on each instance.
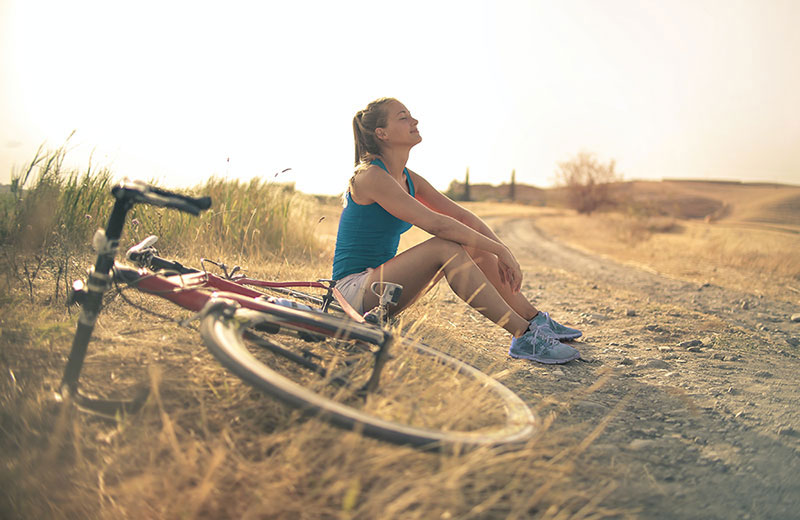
(384, 199)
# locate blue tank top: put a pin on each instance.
(368, 235)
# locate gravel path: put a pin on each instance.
(698, 415)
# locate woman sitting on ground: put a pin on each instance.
(384, 199)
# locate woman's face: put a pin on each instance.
(401, 127)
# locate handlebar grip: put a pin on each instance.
(141, 192)
(202, 203)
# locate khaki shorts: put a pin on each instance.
(353, 287)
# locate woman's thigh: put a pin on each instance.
(417, 269)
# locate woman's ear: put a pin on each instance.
(380, 133)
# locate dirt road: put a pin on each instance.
(702, 402)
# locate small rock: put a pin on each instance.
(628, 345)
(652, 327)
(665, 349)
(641, 444)
(557, 372)
(793, 341)
(658, 364)
(795, 317)
(630, 312)
(719, 355)
(763, 373)
(744, 305)
(694, 349)
(690, 343)
(592, 406)
(627, 361)
(593, 316)
(788, 431)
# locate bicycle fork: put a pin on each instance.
(90, 297)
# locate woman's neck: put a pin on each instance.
(395, 161)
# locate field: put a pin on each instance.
(683, 407)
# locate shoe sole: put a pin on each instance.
(548, 361)
(569, 338)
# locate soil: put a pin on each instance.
(686, 396)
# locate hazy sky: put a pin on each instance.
(178, 91)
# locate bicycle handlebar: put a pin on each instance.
(141, 192)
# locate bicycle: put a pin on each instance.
(336, 367)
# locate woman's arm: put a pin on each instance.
(373, 185)
(435, 200)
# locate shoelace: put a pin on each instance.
(548, 342)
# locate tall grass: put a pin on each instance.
(49, 215)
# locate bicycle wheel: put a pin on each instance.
(422, 392)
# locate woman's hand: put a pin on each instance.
(510, 272)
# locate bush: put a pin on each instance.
(586, 180)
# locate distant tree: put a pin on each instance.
(586, 180)
(512, 188)
(454, 191)
(466, 186)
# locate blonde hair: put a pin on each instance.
(365, 123)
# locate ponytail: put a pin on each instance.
(365, 123)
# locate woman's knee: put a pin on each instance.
(446, 250)
(480, 256)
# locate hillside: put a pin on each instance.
(754, 203)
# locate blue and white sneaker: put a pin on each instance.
(559, 331)
(538, 345)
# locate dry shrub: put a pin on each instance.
(587, 181)
(633, 229)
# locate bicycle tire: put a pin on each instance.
(223, 330)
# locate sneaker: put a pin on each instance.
(560, 332)
(539, 346)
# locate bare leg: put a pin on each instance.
(419, 268)
(517, 301)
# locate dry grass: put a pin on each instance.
(731, 254)
(207, 446)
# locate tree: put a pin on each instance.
(512, 188)
(586, 180)
(466, 186)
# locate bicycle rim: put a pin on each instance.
(420, 401)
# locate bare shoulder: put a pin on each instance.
(367, 182)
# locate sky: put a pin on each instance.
(179, 91)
